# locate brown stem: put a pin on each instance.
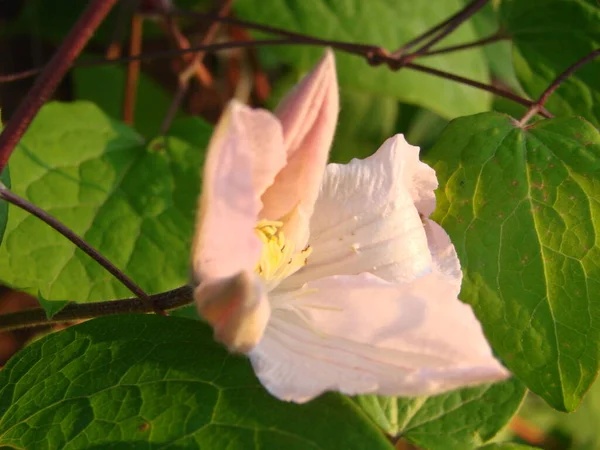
(114, 49)
(196, 60)
(445, 28)
(459, 18)
(296, 38)
(52, 74)
(20, 202)
(538, 105)
(455, 48)
(476, 84)
(170, 27)
(374, 55)
(80, 311)
(133, 69)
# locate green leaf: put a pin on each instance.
(549, 36)
(135, 203)
(145, 381)
(387, 23)
(498, 54)
(5, 180)
(507, 446)
(520, 206)
(105, 86)
(51, 307)
(458, 420)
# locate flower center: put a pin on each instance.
(279, 258)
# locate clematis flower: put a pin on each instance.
(330, 277)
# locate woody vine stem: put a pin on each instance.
(63, 60)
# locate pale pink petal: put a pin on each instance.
(443, 253)
(360, 334)
(237, 308)
(365, 220)
(418, 177)
(244, 156)
(308, 117)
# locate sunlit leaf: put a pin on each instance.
(521, 208)
(153, 382)
(459, 420)
(133, 202)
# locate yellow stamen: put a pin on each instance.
(278, 259)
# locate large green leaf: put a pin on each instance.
(460, 420)
(498, 54)
(105, 86)
(549, 36)
(388, 23)
(521, 208)
(152, 382)
(133, 202)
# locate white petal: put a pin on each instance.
(360, 334)
(443, 253)
(244, 156)
(419, 179)
(365, 220)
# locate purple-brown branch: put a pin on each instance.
(54, 223)
(443, 29)
(195, 60)
(81, 311)
(133, 68)
(53, 72)
(538, 105)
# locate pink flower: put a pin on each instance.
(330, 277)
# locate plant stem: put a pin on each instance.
(469, 82)
(374, 55)
(133, 68)
(20, 202)
(80, 311)
(538, 105)
(455, 48)
(296, 38)
(194, 62)
(445, 28)
(51, 76)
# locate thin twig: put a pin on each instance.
(133, 68)
(114, 49)
(170, 27)
(538, 105)
(20, 202)
(446, 27)
(80, 311)
(196, 60)
(459, 18)
(52, 74)
(298, 38)
(455, 48)
(374, 56)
